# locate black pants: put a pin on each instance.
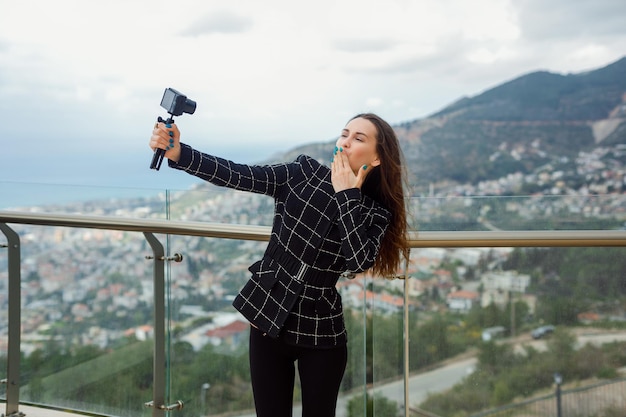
(272, 370)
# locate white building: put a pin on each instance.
(498, 286)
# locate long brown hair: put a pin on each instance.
(385, 184)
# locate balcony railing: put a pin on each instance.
(161, 237)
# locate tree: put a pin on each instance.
(495, 358)
(367, 405)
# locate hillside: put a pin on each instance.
(536, 120)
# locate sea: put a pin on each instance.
(102, 178)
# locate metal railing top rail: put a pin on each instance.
(417, 239)
(158, 226)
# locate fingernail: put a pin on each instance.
(332, 160)
(171, 140)
(340, 149)
(171, 133)
(168, 125)
(364, 167)
(167, 148)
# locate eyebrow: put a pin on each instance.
(356, 133)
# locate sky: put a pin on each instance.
(81, 81)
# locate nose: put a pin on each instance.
(344, 141)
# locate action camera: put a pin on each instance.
(176, 103)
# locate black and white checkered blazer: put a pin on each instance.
(317, 234)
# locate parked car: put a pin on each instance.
(542, 331)
(492, 333)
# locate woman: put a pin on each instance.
(347, 218)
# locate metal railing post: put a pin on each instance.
(158, 367)
(14, 336)
(158, 404)
(406, 339)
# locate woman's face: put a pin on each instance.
(358, 141)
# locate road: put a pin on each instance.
(445, 377)
(420, 386)
(584, 336)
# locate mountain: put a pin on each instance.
(521, 126)
(544, 96)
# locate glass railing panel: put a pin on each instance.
(497, 328)
(216, 270)
(87, 299)
(209, 367)
(212, 204)
(208, 346)
(385, 318)
(87, 320)
(4, 313)
(353, 390)
(533, 212)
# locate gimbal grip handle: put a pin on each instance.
(157, 158)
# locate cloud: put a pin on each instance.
(88, 76)
(355, 45)
(222, 21)
(567, 19)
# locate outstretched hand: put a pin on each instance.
(342, 176)
(166, 137)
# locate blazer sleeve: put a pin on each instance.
(262, 179)
(362, 226)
